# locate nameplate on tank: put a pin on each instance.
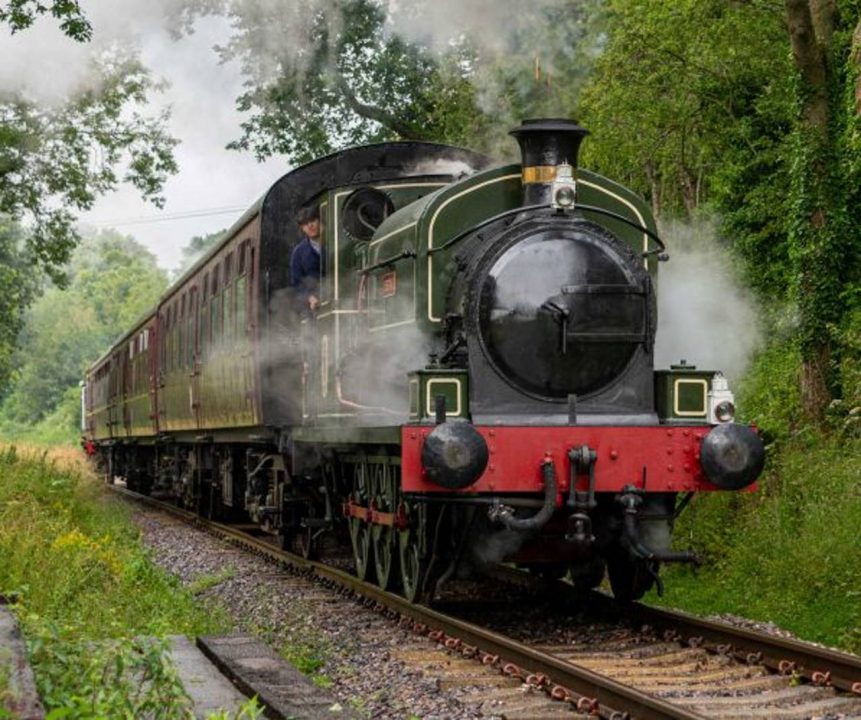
(388, 284)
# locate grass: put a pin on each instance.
(88, 592)
(5, 690)
(307, 655)
(208, 581)
(787, 554)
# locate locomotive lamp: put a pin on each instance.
(721, 400)
(563, 191)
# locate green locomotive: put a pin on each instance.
(477, 384)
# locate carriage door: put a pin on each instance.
(193, 350)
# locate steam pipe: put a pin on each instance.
(631, 503)
(505, 514)
(632, 533)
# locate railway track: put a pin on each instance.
(659, 664)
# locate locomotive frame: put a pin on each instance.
(385, 421)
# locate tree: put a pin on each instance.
(196, 247)
(20, 286)
(21, 14)
(112, 281)
(704, 105)
(322, 76)
(691, 104)
(54, 161)
(685, 93)
(823, 231)
(325, 74)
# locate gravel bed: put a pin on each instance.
(354, 643)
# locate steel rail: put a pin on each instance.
(817, 664)
(563, 679)
(785, 655)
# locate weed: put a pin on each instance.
(322, 681)
(304, 657)
(250, 710)
(85, 585)
(210, 580)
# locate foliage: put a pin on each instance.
(57, 160)
(112, 281)
(250, 710)
(86, 585)
(323, 75)
(789, 553)
(349, 82)
(196, 247)
(700, 104)
(20, 285)
(21, 14)
(125, 678)
(689, 104)
(823, 223)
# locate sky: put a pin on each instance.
(213, 184)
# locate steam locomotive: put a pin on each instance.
(477, 385)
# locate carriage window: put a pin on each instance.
(241, 321)
(166, 343)
(228, 263)
(203, 330)
(177, 335)
(241, 259)
(190, 335)
(189, 341)
(213, 320)
(227, 314)
(180, 331)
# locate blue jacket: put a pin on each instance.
(306, 268)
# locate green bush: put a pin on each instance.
(788, 553)
(90, 599)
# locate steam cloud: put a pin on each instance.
(704, 314)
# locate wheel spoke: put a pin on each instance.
(413, 566)
(360, 533)
(383, 536)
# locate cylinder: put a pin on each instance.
(546, 143)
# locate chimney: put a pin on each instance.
(545, 144)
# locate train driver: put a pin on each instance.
(308, 262)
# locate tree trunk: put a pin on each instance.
(811, 26)
(810, 61)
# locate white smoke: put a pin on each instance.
(491, 26)
(705, 315)
(455, 168)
